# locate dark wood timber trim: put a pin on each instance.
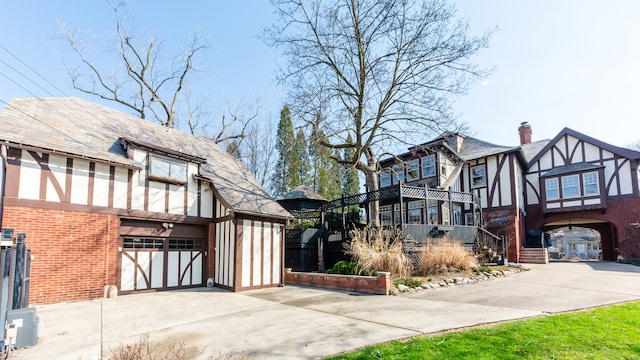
(12, 181)
(112, 181)
(237, 266)
(68, 180)
(92, 175)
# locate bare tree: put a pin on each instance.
(258, 151)
(382, 71)
(147, 82)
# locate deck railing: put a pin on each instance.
(409, 192)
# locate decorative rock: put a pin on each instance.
(458, 280)
(403, 288)
(442, 283)
(434, 285)
(425, 285)
(393, 291)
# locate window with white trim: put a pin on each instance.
(478, 176)
(428, 166)
(551, 186)
(397, 215)
(590, 184)
(570, 186)
(166, 169)
(385, 215)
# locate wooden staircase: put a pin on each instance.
(534, 256)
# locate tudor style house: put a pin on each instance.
(107, 199)
(572, 179)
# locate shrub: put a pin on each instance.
(344, 268)
(410, 282)
(380, 250)
(441, 256)
(484, 268)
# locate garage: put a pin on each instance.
(156, 256)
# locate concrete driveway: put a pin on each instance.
(303, 323)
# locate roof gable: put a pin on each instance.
(82, 128)
(626, 153)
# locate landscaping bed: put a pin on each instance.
(454, 278)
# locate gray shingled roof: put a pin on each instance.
(529, 151)
(83, 128)
(302, 193)
(473, 148)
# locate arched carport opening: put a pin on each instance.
(608, 245)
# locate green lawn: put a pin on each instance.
(611, 332)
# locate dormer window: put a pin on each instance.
(167, 169)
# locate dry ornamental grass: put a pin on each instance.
(442, 256)
(379, 250)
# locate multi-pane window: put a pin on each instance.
(590, 183)
(138, 243)
(385, 178)
(167, 169)
(413, 170)
(428, 166)
(385, 215)
(396, 214)
(570, 186)
(478, 176)
(551, 186)
(185, 244)
(415, 211)
(398, 174)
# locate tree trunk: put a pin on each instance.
(370, 171)
(371, 177)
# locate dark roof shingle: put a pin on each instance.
(83, 128)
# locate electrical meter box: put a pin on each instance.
(25, 323)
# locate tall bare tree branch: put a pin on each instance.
(382, 71)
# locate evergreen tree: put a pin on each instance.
(325, 171)
(300, 167)
(285, 145)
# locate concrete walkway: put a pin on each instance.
(303, 323)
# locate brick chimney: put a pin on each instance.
(525, 133)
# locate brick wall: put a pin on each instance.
(379, 284)
(620, 212)
(508, 223)
(73, 253)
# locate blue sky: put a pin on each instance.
(557, 64)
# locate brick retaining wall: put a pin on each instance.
(379, 284)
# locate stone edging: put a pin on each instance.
(479, 277)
